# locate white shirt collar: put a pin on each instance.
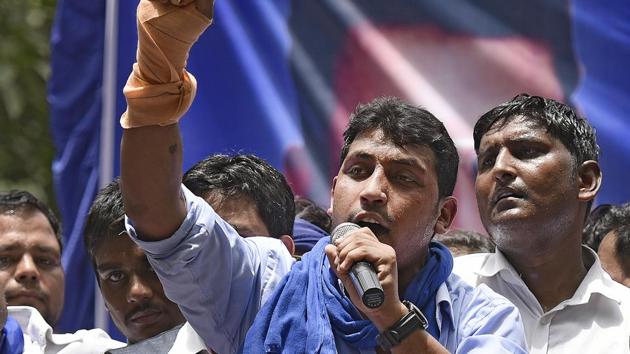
(596, 281)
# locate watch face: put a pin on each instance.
(412, 308)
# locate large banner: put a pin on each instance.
(279, 79)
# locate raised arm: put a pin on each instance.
(158, 92)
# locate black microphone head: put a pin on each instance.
(342, 229)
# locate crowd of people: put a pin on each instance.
(225, 259)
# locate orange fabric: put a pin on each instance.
(159, 90)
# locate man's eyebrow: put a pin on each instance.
(361, 155)
(46, 249)
(9, 248)
(527, 139)
(37, 248)
(107, 266)
(409, 162)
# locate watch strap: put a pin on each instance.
(409, 323)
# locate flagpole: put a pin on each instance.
(108, 128)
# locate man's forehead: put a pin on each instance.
(20, 228)
(118, 246)
(376, 145)
(517, 127)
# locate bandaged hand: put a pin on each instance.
(159, 90)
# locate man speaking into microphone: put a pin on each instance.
(396, 179)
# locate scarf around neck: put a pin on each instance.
(308, 310)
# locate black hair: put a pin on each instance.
(106, 218)
(623, 242)
(472, 240)
(23, 203)
(604, 219)
(560, 120)
(246, 176)
(406, 124)
(307, 209)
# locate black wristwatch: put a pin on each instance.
(410, 322)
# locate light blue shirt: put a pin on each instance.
(218, 278)
(470, 321)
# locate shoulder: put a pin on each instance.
(477, 306)
(273, 253)
(467, 267)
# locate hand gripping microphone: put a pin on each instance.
(362, 273)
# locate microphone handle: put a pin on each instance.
(367, 285)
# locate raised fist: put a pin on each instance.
(204, 6)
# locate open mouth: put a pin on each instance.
(507, 195)
(376, 228)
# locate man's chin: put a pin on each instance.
(28, 301)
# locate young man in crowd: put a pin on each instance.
(398, 172)
(33, 279)
(132, 292)
(607, 232)
(248, 193)
(537, 177)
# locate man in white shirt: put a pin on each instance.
(33, 279)
(537, 177)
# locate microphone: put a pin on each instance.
(362, 273)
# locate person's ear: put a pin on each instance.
(288, 243)
(332, 195)
(590, 180)
(447, 211)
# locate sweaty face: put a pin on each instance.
(391, 190)
(614, 265)
(525, 183)
(132, 291)
(30, 264)
(241, 213)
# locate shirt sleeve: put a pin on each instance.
(217, 278)
(490, 324)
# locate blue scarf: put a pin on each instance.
(12, 341)
(307, 307)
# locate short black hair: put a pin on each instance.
(307, 210)
(560, 120)
(623, 242)
(249, 176)
(604, 219)
(106, 218)
(23, 203)
(469, 239)
(405, 124)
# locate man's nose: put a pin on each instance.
(503, 169)
(375, 188)
(26, 270)
(139, 290)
